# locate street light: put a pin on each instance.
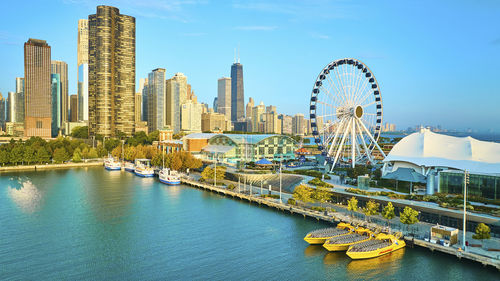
(466, 181)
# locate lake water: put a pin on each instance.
(94, 224)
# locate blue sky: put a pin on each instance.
(437, 62)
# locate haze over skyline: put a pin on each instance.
(436, 63)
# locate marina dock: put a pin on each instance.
(333, 217)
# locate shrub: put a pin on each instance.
(291, 201)
(316, 208)
(231, 186)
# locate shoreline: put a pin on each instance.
(50, 166)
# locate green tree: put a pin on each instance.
(371, 209)
(117, 152)
(81, 132)
(388, 212)
(207, 173)
(85, 153)
(157, 159)
(29, 155)
(176, 162)
(42, 155)
(4, 157)
(101, 151)
(16, 154)
(93, 153)
(321, 194)
(110, 144)
(77, 157)
(408, 216)
(60, 155)
(303, 193)
(482, 232)
(352, 205)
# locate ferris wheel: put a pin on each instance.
(346, 112)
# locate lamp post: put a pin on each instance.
(466, 181)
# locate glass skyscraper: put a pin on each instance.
(83, 92)
(55, 86)
(237, 92)
(156, 99)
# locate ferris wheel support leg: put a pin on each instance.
(368, 153)
(353, 143)
(340, 148)
(374, 141)
(330, 151)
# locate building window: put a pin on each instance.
(261, 150)
(280, 150)
(39, 124)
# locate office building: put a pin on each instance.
(20, 99)
(37, 87)
(216, 104)
(11, 107)
(156, 99)
(3, 113)
(250, 106)
(138, 107)
(56, 103)
(286, 124)
(213, 122)
(191, 116)
(111, 72)
(145, 92)
(224, 97)
(83, 69)
(237, 92)
(176, 96)
(257, 112)
(61, 68)
(73, 109)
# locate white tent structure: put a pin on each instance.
(428, 153)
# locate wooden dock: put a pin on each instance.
(333, 217)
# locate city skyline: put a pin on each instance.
(427, 84)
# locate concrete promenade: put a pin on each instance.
(50, 166)
(332, 217)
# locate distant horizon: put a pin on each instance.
(439, 71)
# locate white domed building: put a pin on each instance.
(442, 159)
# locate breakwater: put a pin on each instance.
(50, 166)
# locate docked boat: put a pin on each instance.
(319, 237)
(111, 164)
(382, 244)
(342, 243)
(170, 177)
(128, 166)
(143, 168)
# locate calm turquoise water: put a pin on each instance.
(94, 224)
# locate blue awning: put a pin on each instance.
(264, 161)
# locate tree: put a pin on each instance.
(321, 194)
(408, 216)
(60, 155)
(482, 232)
(29, 155)
(77, 157)
(157, 160)
(352, 205)
(85, 153)
(371, 209)
(101, 151)
(42, 155)
(117, 152)
(176, 162)
(208, 173)
(81, 132)
(303, 193)
(93, 153)
(4, 157)
(388, 212)
(110, 144)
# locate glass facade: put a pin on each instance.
(56, 103)
(487, 186)
(83, 92)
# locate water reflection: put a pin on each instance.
(386, 265)
(25, 194)
(314, 250)
(334, 257)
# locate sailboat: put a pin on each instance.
(168, 176)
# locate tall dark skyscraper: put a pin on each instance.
(111, 73)
(237, 92)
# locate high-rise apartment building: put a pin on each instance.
(138, 107)
(176, 96)
(257, 112)
(145, 92)
(224, 97)
(73, 109)
(250, 106)
(55, 86)
(11, 107)
(19, 99)
(3, 113)
(191, 117)
(211, 122)
(111, 72)
(83, 69)
(61, 68)
(286, 124)
(216, 104)
(38, 100)
(237, 92)
(298, 124)
(156, 99)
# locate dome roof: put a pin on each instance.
(429, 149)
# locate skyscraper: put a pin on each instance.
(11, 107)
(73, 108)
(250, 106)
(55, 86)
(19, 99)
(83, 69)
(237, 92)
(61, 68)
(176, 96)
(3, 114)
(37, 88)
(145, 91)
(224, 96)
(156, 99)
(298, 124)
(191, 116)
(111, 72)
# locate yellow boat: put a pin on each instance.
(343, 242)
(318, 237)
(382, 244)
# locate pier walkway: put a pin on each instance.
(333, 217)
